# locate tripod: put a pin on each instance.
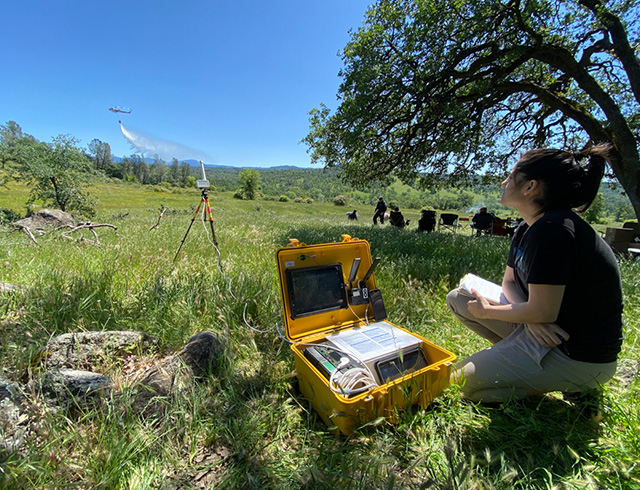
(204, 199)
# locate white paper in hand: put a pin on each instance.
(488, 289)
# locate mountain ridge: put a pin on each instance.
(196, 163)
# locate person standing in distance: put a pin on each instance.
(562, 330)
(381, 207)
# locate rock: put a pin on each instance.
(7, 287)
(69, 380)
(85, 350)
(203, 353)
(8, 389)
(60, 390)
(46, 218)
(199, 358)
(13, 422)
(13, 425)
(66, 388)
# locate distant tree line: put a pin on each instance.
(59, 172)
(135, 168)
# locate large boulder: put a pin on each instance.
(46, 218)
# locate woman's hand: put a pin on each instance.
(478, 307)
(547, 334)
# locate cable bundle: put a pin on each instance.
(351, 382)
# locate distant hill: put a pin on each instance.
(196, 163)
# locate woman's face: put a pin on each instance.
(510, 190)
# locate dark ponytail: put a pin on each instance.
(569, 180)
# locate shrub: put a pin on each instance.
(8, 216)
(341, 200)
(283, 198)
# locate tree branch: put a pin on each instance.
(567, 106)
(87, 225)
(163, 210)
(28, 232)
(621, 45)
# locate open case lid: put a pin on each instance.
(314, 283)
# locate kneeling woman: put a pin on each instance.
(562, 330)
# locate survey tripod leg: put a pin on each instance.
(204, 199)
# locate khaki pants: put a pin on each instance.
(517, 365)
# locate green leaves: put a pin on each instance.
(441, 89)
(56, 173)
(249, 180)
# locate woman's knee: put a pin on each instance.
(457, 302)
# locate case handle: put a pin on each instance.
(294, 242)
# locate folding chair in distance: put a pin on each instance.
(448, 221)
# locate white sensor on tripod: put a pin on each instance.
(204, 183)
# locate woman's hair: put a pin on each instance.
(569, 180)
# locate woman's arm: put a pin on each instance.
(542, 306)
(538, 312)
(509, 287)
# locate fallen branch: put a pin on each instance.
(28, 232)
(163, 210)
(88, 225)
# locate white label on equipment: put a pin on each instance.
(372, 341)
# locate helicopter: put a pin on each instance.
(123, 110)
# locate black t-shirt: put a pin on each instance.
(562, 249)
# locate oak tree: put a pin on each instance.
(439, 90)
(56, 173)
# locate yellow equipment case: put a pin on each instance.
(353, 365)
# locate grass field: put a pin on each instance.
(246, 427)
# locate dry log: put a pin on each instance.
(88, 225)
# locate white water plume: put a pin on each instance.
(165, 149)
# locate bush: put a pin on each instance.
(8, 216)
(283, 198)
(595, 212)
(341, 200)
(238, 195)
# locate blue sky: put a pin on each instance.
(230, 82)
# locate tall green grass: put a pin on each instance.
(246, 427)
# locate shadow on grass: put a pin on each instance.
(537, 437)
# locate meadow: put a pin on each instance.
(246, 426)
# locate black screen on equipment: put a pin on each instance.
(316, 289)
